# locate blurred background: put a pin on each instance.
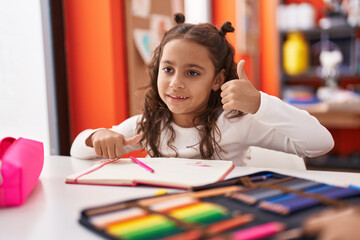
(70, 65)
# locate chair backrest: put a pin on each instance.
(265, 158)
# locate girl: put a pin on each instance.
(201, 105)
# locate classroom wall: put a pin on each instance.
(95, 51)
(269, 48)
(23, 98)
(230, 10)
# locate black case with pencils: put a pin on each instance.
(263, 205)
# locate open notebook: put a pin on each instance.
(168, 172)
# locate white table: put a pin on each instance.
(53, 208)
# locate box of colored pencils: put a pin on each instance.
(258, 206)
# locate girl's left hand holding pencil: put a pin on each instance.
(240, 94)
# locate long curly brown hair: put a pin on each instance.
(156, 115)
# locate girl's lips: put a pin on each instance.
(177, 97)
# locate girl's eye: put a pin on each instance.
(167, 69)
(193, 73)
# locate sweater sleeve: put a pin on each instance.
(283, 127)
(79, 148)
(127, 128)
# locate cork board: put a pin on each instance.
(140, 16)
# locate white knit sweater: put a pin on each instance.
(276, 125)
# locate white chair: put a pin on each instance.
(265, 158)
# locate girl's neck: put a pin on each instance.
(185, 121)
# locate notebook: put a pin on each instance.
(168, 172)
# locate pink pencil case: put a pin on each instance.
(22, 161)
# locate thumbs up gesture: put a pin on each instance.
(109, 144)
(240, 94)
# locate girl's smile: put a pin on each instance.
(176, 98)
(186, 79)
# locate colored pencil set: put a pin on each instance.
(197, 215)
(181, 218)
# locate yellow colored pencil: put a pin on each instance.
(195, 209)
(136, 224)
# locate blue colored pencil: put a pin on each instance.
(293, 195)
(258, 194)
(260, 177)
(299, 203)
(354, 187)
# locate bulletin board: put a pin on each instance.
(145, 19)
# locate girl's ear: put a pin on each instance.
(218, 80)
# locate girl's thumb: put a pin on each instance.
(241, 71)
(133, 140)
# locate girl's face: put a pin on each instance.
(186, 79)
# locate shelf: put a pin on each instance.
(342, 120)
(336, 32)
(344, 38)
(314, 77)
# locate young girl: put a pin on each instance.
(201, 105)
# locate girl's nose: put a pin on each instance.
(176, 82)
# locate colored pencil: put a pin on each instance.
(158, 231)
(199, 212)
(173, 204)
(354, 187)
(305, 202)
(253, 196)
(137, 161)
(214, 228)
(151, 202)
(299, 203)
(155, 225)
(233, 222)
(101, 221)
(117, 216)
(274, 204)
(105, 209)
(137, 224)
(259, 232)
(288, 196)
(198, 194)
(260, 177)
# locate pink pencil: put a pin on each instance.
(259, 232)
(137, 161)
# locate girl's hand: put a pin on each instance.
(109, 144)
(334, 224)
(240, 94)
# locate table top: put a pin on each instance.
(53, 208)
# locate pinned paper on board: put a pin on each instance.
(177, 6)
(147, 40)
(142, 42)
(140, 8)
(159, 24)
